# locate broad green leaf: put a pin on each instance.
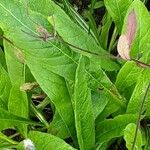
(48, 53)
(127, 76)
(99, 81)
(54, 86)
(112, 128)
(138, 93)
(84, 118)
(18, 105)
(43, 58)
(41, 54)
(99, 101)
(129, 134)
(50, 142)
(110, 108)
(74, 35)
(13, 119)
(117, 9)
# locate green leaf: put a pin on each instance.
(129, 133)
(13, 119)
(58, 128)
(84, 118)
(106, 22)
(138, 93)
(47, 57)
(99, 81)
(74, 35)
(54, 86)
(127, 76)
(51, 58)
(18, 105)
(141, 42)
(130, 73)
(50, 142)
(99, 101)
(2, 59)
(117, 9)
(14, 66)
(5, 87)
(110, 108)
(112, 128)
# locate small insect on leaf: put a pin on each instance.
(44, 34)
(125, 40)
(28, 86)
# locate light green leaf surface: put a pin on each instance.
(106, 24)
(117, 9)
(99, 101)
(13, 119)
(138, 93)
(74, 35)
(110, 108)
(49, 142)
(84, 117)
(5, 87)
(44, 59)
(127, 76)
(129, 133)
(112, 128)
(14, 66)
(58, 127)
(18, 105)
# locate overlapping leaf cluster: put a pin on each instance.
(73, 70)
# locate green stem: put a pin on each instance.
(43, 104)
(139, 115)
(4, 137)
(39, 115)
(113, 39)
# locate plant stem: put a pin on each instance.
(112, 41)
(43, 104)
(3, 137)
(139, 115)
(39, 115)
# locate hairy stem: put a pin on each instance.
(139, 115)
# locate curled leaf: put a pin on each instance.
(125, 40)
(123, 47)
